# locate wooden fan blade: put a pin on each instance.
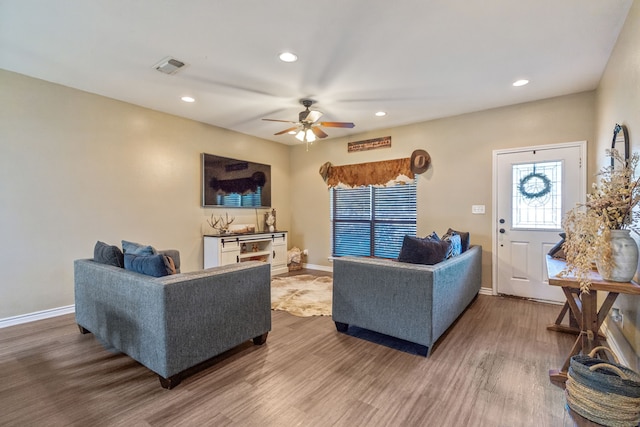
(276, 120)
(286, 130)
(337, 124)
(319, 132)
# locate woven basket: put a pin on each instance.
(604, 392)
(294, 266)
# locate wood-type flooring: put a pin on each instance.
(490, 369)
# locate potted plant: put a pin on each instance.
(593, 229)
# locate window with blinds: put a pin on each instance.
(372, 221)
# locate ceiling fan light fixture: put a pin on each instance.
(300, 136)
(310, 136)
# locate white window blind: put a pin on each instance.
(372, 221)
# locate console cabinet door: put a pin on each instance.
(279, 253)
(229, 254)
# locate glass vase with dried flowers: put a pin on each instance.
(590, 227)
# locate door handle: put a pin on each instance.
(501, 220)
(501, 230)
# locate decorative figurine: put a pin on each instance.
(270, 220)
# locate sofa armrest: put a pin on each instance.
(456, 283)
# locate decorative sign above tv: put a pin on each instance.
(235, 183)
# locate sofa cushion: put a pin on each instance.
(151, 265)
(422, 251)
(455, 248)
(464, 238)
(137, 248)
(108, 254)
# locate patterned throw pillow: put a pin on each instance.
(464, 238)
(455, 247)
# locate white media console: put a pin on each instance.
(234, 248)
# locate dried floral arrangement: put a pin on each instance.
(609, 207)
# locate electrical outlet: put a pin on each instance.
(477, 209)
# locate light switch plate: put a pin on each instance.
(477, 209)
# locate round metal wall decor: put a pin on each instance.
(535, 185)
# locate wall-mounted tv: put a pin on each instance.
(235, 183)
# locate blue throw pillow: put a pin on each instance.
(108, 254)
(421, 251)
(465, 239)
(456, 244)
(151, 265)
(137, 248)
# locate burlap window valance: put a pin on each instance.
(384, 174)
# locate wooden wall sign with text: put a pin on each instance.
(369, 144)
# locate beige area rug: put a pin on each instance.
(303, 295)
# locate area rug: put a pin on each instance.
(303, 295)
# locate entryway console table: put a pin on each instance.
(234, 248)
(585, 311)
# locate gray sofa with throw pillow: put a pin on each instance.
(174, 323)
(413, 302)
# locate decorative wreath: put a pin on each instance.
(536, 190)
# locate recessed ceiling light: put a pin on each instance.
(288, 57)
(188, 99)
(520, 82)
(381, 114)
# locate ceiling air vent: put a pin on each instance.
(169, 65)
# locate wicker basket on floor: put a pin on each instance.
(604, 392)
(295, 266)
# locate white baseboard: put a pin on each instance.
(317, 267)
(619, 345)
(486, 291)
(38, 315)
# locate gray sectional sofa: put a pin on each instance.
(174, 323)
(413, 302)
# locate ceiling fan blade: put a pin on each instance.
(319, 132)
(313, 116)
(337, 124)
(286, 130)
(276, 120)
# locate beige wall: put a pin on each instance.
(77, 167)
(618, 101)
(461, 151)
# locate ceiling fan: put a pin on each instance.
(307, 126)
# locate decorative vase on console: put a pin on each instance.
(598, 230)
(624, 258)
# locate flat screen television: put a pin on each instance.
(235, 183)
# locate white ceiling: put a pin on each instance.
(415, 59)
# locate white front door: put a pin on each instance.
(534, 187)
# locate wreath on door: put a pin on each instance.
(535, 185)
